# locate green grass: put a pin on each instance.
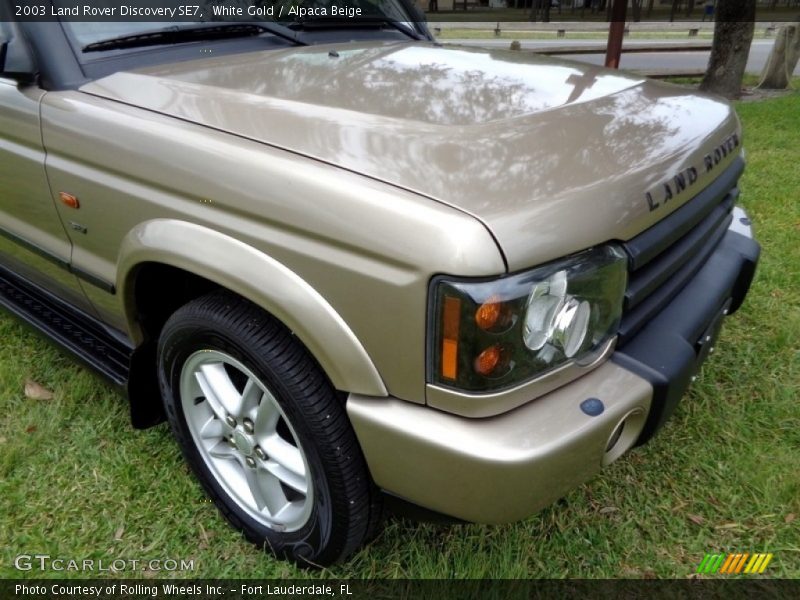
(77, 482)
(749, 82)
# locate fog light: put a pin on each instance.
(612, 441)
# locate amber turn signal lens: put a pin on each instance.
(488, 360)
(451, 320)
(491, 314)
(69, 200)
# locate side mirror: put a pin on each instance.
(3, 51)
(16, 60)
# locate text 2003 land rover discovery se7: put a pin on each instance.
(345, 261)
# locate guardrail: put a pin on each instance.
(630, 49)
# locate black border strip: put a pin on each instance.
(705, 587)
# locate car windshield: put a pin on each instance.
(175, 15)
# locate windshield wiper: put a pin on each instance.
(369, 21)
(175, 35)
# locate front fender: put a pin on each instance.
(261, 279)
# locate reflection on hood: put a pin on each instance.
(520, 141)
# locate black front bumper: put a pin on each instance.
(670, 348)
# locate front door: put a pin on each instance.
(33, 242)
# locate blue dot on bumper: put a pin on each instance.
(592, 406)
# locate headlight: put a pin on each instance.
(489, 335)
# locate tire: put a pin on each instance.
(264, 431)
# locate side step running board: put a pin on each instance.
(73, 330)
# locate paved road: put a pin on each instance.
(759, 52)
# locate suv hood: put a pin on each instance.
(524, 143)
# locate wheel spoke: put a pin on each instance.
(223, 450)
(213, 428)
(293, 480)
(284, 455)
(266, 491)
(285, 513)
(249, 400)
(218, 389)
(267, 418)
(203, 417)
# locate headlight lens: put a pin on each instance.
(491, 335)
(552, 315)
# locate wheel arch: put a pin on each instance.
(202, 259)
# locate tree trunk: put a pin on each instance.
(689, 8)
(650, 7)
(782, 59)
(733, 33)
(534, 14)
(636, 7)
(675, 6)
(616, 31)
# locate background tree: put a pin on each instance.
(733, 33)
(636, 7)
(676, 4)
(782, 59)
(540, 11)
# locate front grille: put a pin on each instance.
(665, 257)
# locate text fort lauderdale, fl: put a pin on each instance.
(170, 589)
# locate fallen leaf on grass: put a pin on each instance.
(30, 428)
(608, 509)
(697, 519)
(205, 542)
(36, 391)
(629, 572)
(679, 506)
(727, 526)
(789, 518)
(118, 533)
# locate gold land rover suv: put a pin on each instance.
(352, 266)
